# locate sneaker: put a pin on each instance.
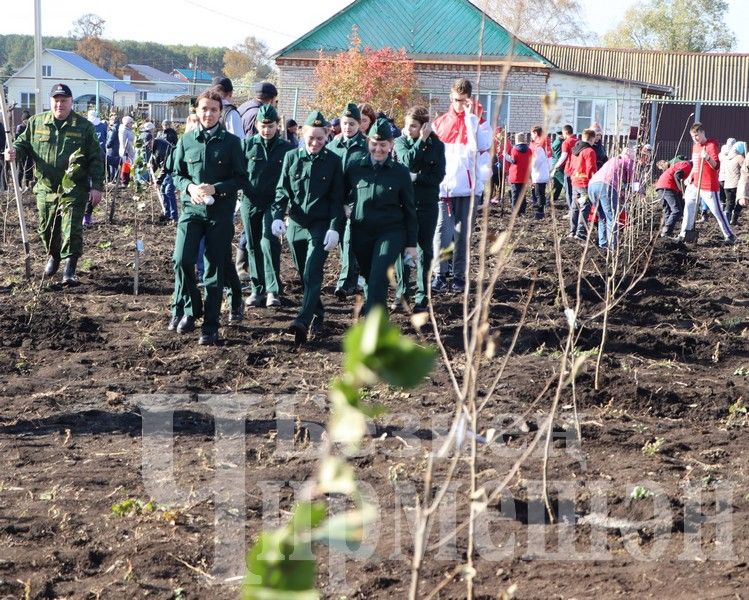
(458, 286)
(255, 299)
(236, 315)
(730, 240)
(208, 338)
(342, 293)
(186, 324)
(87, 221)
(570, 235)
(173, 322)
(702, 218)
(271, 300)
(439, 284)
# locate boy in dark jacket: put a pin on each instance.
(583, 167)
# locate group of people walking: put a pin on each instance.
(388, 200)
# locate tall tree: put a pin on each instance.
(86, 26)
(681, 25)
(541, 21)
(384, 78)
(250, 58)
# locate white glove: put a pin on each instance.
(331, 240)
(413, 176)
(347, 211)
(278, 228)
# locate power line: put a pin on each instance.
(236, 18)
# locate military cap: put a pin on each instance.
(380, 130)
(316, 119)
(267, 113)
(60, 89)
(352, 111)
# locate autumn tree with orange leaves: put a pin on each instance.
(384, 78)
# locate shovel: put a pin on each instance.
(17, 192)
(692, 235)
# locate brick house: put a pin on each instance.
(435, 43)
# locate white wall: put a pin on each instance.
(622, 101)
(62, 72)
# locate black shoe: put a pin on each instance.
(342, 293)
(68, 275)
(237, 315)
(53, 263)
(186, 324)
(299, 330)
(208, 338)
(420, 308)
(173, 322)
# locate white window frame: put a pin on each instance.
(594, 103)
(30, 100)
(46, 70)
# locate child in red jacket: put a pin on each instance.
(583, 167)
(519, 174)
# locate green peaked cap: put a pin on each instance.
(316, 119)
(380, 130)
(352, 111)
(267, 113)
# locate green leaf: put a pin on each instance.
(375, 349)
(346, 530)
(336, 476)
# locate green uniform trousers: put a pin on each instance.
(349, 276)
(61, 228)
(427, 219)
(263, 249)
(376, 252)
(307, 252)
(187, 299)
(231, 280)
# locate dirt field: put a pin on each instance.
(86, 370)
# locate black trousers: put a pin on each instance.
(673, 208)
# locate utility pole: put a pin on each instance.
(38, 55)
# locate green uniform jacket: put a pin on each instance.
(50, 148)
(311, 186)
(263, 169)
(218, 161)
(382, 199)
(427, 160)
(556, 154)
(349, 149)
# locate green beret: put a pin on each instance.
(267, 114)
(316, 119)
(352, 111)
(381, 130)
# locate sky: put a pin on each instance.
(197, 22)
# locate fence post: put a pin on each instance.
(653, 121)
(697, 111)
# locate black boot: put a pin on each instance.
(68, 275)
(52, 265)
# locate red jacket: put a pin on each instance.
(667, 180)
(709, 175)
(567, 146)
(584, 164)
(520, 169)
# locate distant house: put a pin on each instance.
(91, 85)
(157, 92)
(198, 79)
(711, 87)
(442, 39)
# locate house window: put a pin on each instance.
(46, 70)
(588, 112)
(496, 107)
(28, 100)
(142, 96)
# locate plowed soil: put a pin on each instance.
(85, 371)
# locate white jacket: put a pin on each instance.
(127, 143)
(465, 161)
(540, 166)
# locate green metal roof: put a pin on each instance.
(420, 27)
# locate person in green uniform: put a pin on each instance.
(264, 153)
(558, 179)
(208, 169)
(383, 214)
(311, 188)
(350, 145)
(49, 140)
(419, 149)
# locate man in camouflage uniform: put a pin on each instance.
(50, 139)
